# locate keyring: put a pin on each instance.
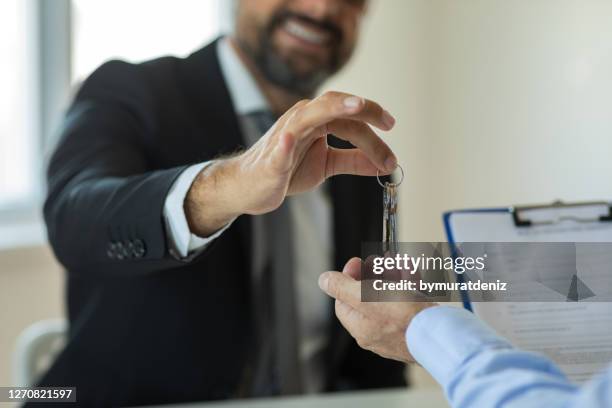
(396, 184)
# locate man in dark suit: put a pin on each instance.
(186, 201)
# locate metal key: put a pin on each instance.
(389, 239)
(390, 218)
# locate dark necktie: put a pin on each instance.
(278, 369)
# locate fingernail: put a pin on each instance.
(387, 119)
(352, 102)
(390, 163)
(323, 281)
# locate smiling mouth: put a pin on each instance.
(308, 34)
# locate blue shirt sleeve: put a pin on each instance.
(477, 368)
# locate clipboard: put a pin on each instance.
(529, 216)
(590, 348)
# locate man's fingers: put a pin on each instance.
(341, 287)
(356, 323)
(349, 317)
(348, 161)
(363, 137)
(336, 105)
(353, 268)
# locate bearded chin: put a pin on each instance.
(280, 73)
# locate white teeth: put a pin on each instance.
(304, 33)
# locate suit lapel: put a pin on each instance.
(211, 101)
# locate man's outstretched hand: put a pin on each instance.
(376, 326)
(292, 157)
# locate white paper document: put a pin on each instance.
(575, 335)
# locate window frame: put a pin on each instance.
(50, 25)
(47, 26)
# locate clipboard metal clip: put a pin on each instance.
(558, 211)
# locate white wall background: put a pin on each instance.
(498, 102)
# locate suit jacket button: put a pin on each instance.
(139, 249)
(111, 250)
(124, 251)
(130, 249)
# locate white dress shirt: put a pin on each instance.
(311, 216)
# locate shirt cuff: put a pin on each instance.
(441, 338)
(179, 236)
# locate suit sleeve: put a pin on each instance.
(104, 208)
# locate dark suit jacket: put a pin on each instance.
(145, 327)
